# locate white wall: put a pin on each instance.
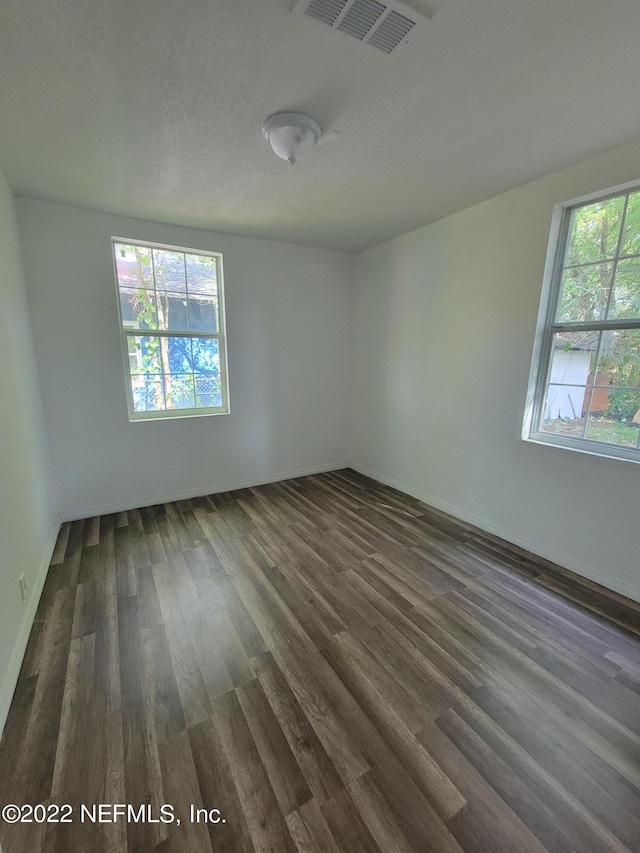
(445, 319)
(288, 321)
(28, 520)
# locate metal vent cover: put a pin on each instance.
(380, 27)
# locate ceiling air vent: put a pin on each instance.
(382, 27)
(391, 32)
(325, 10)
(360, 18)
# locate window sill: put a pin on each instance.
(590, 448)
(150, 417)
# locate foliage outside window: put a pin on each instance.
(588, 389)
(171, 305)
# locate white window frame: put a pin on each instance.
(127, 331)
(547, 326)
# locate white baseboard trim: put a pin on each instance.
(631, 591)
(186, 494)
(12, 672)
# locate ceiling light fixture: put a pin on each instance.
(291, 135)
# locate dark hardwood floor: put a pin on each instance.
(333, 666)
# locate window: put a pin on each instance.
(171, 304)
(587, 393)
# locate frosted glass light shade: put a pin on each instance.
(291, 135)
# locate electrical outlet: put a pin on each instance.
(23, 586)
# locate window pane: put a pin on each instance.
(176, 355)
(619, 360)
(147, 351)
(594, 231)
(631, 236)
(206, 356)
(625, 300)
(148, 393)
(613, 431)
(573, 357)
(138, 309)
(600, 404)
(168, 268)
(565, 409)
(172, 311)
(615, 403)
(133, 266)
(203, 314)
(571, 373)
(180, 391)
(201, 275)
(585, 291)
(208, 391)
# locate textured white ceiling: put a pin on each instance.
(153, 108)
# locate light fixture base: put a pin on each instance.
(291, 134)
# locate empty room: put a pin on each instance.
(320, 426)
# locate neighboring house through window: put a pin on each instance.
(587, 368)
(172, 326)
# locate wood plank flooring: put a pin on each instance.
(333, 666)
